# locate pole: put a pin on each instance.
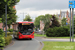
(3, 22)
(23, 16)
(6, 20)
(70, 24)
(43, 33)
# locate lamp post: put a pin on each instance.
(23, 15)
(70, 24)
(6, 20)
(3, 22)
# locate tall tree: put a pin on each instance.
(12, 19)
(37, 21)
(44, 18)
(9, 3)
(11, 12)
(55, 22)
(47, 20)
(27, 18)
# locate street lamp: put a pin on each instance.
(6, 19)
(23, 15)
(3, 22)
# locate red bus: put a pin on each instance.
(25, 30)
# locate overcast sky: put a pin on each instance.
(40, 7)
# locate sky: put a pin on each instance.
(40, 7)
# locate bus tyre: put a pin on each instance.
(30, 38)
(17, 37)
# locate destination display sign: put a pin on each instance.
(25, 23)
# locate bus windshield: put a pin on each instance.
(25, 29)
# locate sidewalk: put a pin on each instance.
(56, 39)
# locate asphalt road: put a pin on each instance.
(24, 45)
(33, 44)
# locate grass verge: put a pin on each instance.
(59, 46)
(40, 35)
(60, 37)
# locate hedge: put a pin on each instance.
(58, 31)
(10, 33)
(10, 30)
(5, 40)
(8, 39)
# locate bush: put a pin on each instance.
(10, 33)
(5, 40)
(8, 39)
(2, 40)
(58, 31)
(10, 30)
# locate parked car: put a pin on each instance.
(38, 32)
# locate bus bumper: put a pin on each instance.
(26, 36)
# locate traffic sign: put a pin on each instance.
(72, 4)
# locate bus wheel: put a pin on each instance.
(30, 38)
(17, 37)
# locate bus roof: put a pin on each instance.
(25, 22)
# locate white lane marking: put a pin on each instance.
(57, 39)
(37, 40)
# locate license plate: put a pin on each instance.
(26, 36)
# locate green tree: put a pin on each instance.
(9, 3)
(27, 18)
(48, 22)
(10, 19)
(55, 22)
(63, 21)
(46, 19)
(37, 21)
(11, 16)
